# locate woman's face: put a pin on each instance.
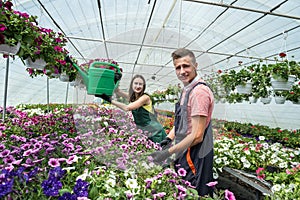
(137, 85)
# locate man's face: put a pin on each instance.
(185, 69)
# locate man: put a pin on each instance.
(192, 128)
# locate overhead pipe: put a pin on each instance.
(247, 9)
(102, 28)
(147, 27)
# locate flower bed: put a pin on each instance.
(86, 152)
(96, 153)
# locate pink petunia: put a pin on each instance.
(229, 195)
(53, 162)
(2, 27)
(4, 153)
(212, 184)
(182, 172)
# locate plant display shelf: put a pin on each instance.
(244, 183)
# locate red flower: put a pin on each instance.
(282, 55)
(219, 71)
(279, 131)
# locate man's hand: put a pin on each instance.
(165, 143)
(160, 156)
(104, 97)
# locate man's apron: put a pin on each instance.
(196, 160)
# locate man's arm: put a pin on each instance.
(195, 137)
(198, 127)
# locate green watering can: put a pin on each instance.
(99, 80)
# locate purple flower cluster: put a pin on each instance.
(52, 185)
(8, 178)
(80, 190)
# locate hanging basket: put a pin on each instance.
(266, 100)
(252, 99)
(282, 84)
(64, 78)
(279, 100)
(7, 49)
(244, 89)
(37, 64)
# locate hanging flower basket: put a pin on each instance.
(279, 83)
(244, 89)
(252, 99)
(64, 77)
(7, 49)
(279, 99)
(266, 100)
(37, 64)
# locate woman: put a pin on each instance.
(140, 105)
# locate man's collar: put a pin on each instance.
(191, 83)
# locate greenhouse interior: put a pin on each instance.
(64, 63)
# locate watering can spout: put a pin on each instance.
(82, 73)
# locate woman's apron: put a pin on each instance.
(196, 160)
(147, 122)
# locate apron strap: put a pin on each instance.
(190, 161)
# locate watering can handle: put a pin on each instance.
(68, 59)
(118, 77)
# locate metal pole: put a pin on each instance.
(67, 93)
(5, 88)
(48, 94)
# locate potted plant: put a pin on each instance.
(281, 74)
(15, 27)
(294, 94)
(295, 69)
(243, 81)
(280, 96)
(226, 80)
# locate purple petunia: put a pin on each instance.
(81, 188)
(51, 187)
(68, 196)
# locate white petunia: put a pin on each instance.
(261, 138)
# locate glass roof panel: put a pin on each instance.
(141, 35)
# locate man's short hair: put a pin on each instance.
(182, 52)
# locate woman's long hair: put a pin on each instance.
(132, 95)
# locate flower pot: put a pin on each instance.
(297, 102)
(252, 99)
(244, 89)
(266, 100)
(64, 77)
(282, 84)
(279, 100)
(223, 100)
(37, 64)
(12, 50)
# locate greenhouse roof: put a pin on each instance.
(141, 35)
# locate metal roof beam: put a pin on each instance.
(245, 9)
